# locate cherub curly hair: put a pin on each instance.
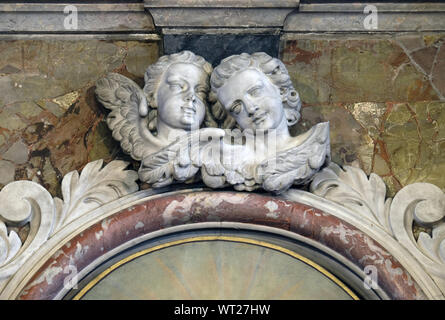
(273, 68)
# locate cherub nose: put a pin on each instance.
(251, 107)
(190, 96)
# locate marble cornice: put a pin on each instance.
(39, 18)
(220, 13)
(382, 6)
(185, 16)
(349, 17)
(221, 3)
(83, 7)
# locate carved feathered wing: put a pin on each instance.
(224, 164)
(128, 117)
(180, 160)
(299, 164)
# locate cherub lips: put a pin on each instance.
(189, 111)
(260, 117)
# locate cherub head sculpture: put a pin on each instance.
(172, 103)
(256, 91)
(176, 88)
(158, 124)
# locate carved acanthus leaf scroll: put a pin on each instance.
(93, 188)
(9, 243)
(425, 204)
(353, 189)
(422, 203)
(23, 202)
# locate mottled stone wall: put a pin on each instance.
(384, 98)
(50, 121)
(382, 93)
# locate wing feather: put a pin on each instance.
(299, 164)
(125, 99)
(182, 159)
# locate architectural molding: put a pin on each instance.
(346, 194)
(193, 16)
(50, 18)
(345, 212)
(366, 198)
(83, 36)
(23, 202)
(399, 6)
(223, 13)
(350, 17)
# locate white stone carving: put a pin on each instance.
(424, 203)
(420, 202)
(254, 92)
(93, 188)
(24, 202)
(182, 159)
(297, 166)
(99, 192)
(352, 188)
(162, 125)
(171, 104)
(10, 244)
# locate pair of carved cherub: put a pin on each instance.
(227, 126)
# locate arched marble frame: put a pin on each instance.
(42, 275)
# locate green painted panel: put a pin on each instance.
(216, 270)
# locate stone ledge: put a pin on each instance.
(220, 13)
(81, 7)
(117, 36)
(229, 16)
(221, 31)
(381, 6)
(49, 18)
(354, 22)
(221, 3)
(219, 17)
(350, 17)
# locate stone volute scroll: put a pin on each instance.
(26, 202)
(239, 138)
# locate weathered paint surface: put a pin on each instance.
(167, 211)
(50, 120)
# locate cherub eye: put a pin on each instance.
(255, 92)
(176, 86)
(236, 107)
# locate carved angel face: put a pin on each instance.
(180, 96)
(251, 98)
